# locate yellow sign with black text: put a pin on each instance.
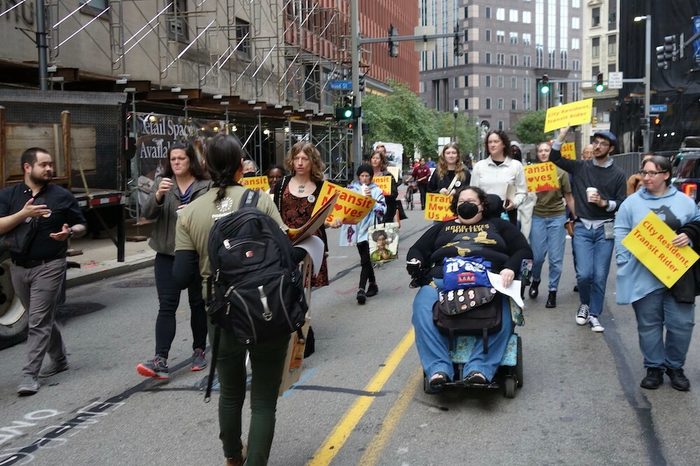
(575, 113)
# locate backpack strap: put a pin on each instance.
(249, 199)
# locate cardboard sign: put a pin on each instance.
(384, 183)
(438, 207)
(650, 243)
(255, 182)
(568, 150)
(575, 113)
(350, 207)
(541, 177)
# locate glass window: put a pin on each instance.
(513, 104)
(527, 61)
(575, 44)
(500, 125)
(513, 60)
(501, 14)
(466, 104)
(487, 59)
(575, 22)
(595, 47)
(612, 67)
(576, 3)
(487, 81)
(527, 17)
(500, 104)
(595, 17)
(527, 38)
(487, 12)
(513, 38)
(488, 35)
(501, 58)
(513, 16)
(500, 37)
(488, 103)
(612, 46)
(513, 82)
(499, 81)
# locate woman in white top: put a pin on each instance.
(501, 175)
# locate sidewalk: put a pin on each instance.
(99, 259)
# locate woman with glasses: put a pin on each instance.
(657, 307)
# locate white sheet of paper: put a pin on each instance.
(513, 290)
(313, 245)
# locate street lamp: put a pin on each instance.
(647, 78)
(455, 112)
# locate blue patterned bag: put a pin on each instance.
(465, 272)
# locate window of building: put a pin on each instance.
(612, 46)
(552, 56)
(513, 60)
(466, 103)
(488, 103)
(576, 65)
(487, 81)
(501, 14)
(612, 16)
(527, 61)
(500, 104)
(575, 3)
(488, 35)
(513, 82)
(594, 72)
(527, 94)
(513, 38)
(487, 58)
(456, 105)
(564, 59)
(612, 67)
(513, 16)
(575, 43)
(487, 12)
(527, 38)
(527, 17)
(466, 12)
(501, 59)
(500, 125)
(595, 17)
(500, 37)
(575, 22)
(499, 82)
(575, 92)
(513, 104)
(177, 19)
(595, 47)
(242, 29)
(539, 56)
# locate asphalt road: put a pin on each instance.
(360, 400)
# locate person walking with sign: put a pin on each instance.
(657, 307)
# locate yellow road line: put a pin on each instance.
(377, 444)
(342, 430)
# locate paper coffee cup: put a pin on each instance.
(590, 192)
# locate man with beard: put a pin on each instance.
(599, 188)
(38, 270)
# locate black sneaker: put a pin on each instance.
(551, 300)
(361, 296)
(156, 368)
(678, 379)
(534, 292)
(199, 360)
(654, 378)
(372, 290)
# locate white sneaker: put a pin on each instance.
(582, 314)
(595, 324)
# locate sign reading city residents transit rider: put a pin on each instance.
(568, 150)
(650, 243)
(384, 183)
(438, 207)
(350, 208)
(541, 177)
(255, 182)
(575, 113)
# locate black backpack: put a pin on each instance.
(256, 290)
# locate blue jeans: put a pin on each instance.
(655, 311)
(593, 253)
(433, 346)
(548, 236)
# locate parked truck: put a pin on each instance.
(84, 132)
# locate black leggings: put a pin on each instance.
(367, 272)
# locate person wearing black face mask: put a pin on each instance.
(479, 231)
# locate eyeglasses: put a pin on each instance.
(651, 172)
(600, 142)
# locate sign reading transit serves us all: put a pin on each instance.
(650, 243)
(575, 113)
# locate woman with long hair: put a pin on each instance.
(449, 167)
(267, 358)
(181, 181)
(378, 163)
(499, 174)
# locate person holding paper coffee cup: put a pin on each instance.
(501, 175)
(593, 239)
(657, 307)
(450, 173)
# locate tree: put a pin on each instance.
(530, 128)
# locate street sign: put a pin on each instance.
(615, 80)
(658, 108)
(340, 85)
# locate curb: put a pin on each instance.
(120, 269)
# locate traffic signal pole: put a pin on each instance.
(355, 46)
(647, 85)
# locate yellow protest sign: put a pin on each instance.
(255, 182)
(541, 177)
(350, 208)
(650, 243)
(438, 207)
(568, 150)
(384, 183)
(575, 113)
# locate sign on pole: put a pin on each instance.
(615, 80)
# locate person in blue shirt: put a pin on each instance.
(656, 306)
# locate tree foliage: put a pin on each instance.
(530, 128)
(401, 117)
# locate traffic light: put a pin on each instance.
(661, 58)
(458, 47)
(345, 111)
(655, 120)
(545, 86)
(393, 45)
(599, 85)
(362, 82)
(670, 51)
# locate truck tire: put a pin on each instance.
(13, 317)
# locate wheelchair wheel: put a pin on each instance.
(519, 363)
(509, 387)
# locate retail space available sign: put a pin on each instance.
(575, 113)
(541, 177)
(438, 207)
(350, 208)
(650, 243)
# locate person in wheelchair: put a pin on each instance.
(477, 231)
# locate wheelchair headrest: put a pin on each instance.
(495, 208)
